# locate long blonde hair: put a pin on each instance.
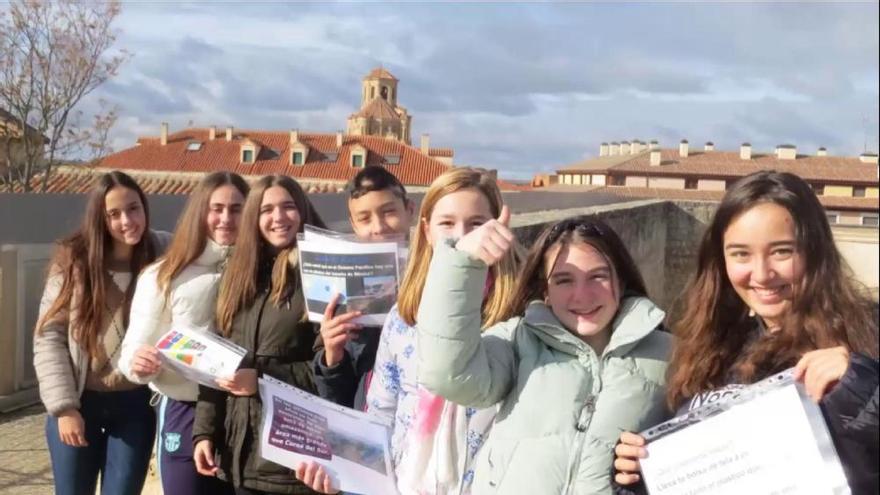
(410, 294)
(238, 288)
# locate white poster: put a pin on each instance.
(200, 355)
(769, 439)
(352, 446)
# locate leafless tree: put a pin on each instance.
(52, 54)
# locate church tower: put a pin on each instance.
(380, 115)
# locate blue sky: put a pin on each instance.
(521, 87)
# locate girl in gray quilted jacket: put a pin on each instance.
(581, 357)
(99, 422)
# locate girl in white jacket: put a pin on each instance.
(181, 290)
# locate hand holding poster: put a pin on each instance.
(351, 445)
(200, 355)
(365, 275)
(768, 439)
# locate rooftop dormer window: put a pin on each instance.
(193, 146)
(358, 156)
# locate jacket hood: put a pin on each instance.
(213, 254)
(636, 318)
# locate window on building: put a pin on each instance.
(819, 189)
(870, 220)
(247, 156)
(193, 146)
(858, 192)
(357, 161)
(384, 93)
(833, 217)
(617, 180)
(297, 158)
(690, 183)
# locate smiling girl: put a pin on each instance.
(180, 291)
(579, 357)
(261, 308)
(99, 422)
(771, 291)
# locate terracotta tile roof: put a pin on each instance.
(441, 152)
(729, 165)
(829, 202)
(380, 73)
(414, 168)
(79, 180)
(377, 109)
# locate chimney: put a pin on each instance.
(163, 134)
(212, 133)
(710, 146)
(822, 152)
(655, 145)
(745, 151)
(338, 139)
(425, 144)
(614, 149)
(655, 158)
(603, 149)
(636, 147)
(786, 152)
(683, 148)
(229, 133)
(294, 136)
(624, 148)
(868, 158)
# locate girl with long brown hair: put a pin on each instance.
(771, 291)
(180, 290)
(99, 422)
(261, 308)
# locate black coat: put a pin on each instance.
(851, 414)
(279, 343)
(346, 382)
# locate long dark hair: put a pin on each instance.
(81, 260)
(191, 233)
(531, 283)
(827, 308)
(238, 288)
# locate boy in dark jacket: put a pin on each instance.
(345, 352)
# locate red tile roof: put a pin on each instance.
(441, 152)
(380, 73)
(377, 109)
(729, 165)
(79, 180)
(414, 168)
(829, 202)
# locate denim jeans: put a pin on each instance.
(120, 428)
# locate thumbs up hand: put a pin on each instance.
(490, 241)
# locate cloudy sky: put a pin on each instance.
(522, 87)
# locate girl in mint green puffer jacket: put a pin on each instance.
(581, 358)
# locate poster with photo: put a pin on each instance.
(365, 275)
(352, 446)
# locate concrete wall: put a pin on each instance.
(711, 185)
(845, 191)
(636, 181)
(666, 182)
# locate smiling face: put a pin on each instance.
(279, 218)
(124, 216)
(762, 260)
(378, 214)
(224, 213)
(456, 214)
(582, 291)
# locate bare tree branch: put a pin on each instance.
(52, 55)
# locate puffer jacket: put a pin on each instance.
(562, 405)
(61, 363)
(191, 303)
(279, 343)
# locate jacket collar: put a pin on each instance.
(636, 318)
(213, 254)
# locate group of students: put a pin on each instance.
(499, 370)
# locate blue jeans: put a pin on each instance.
(120, 428)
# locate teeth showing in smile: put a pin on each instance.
(586, 313)
(767, 292)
